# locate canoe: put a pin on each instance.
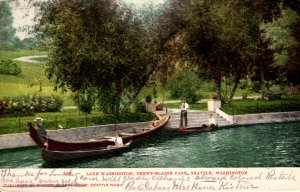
(203, 128)
(97, 141)
(70, 156)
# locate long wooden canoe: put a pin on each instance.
(59, 156)
(97, 141)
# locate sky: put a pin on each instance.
(24, 14)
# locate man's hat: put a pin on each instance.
(38, 120)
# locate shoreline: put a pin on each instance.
(21, 140)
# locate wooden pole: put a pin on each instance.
(19, 125)
(85, 119)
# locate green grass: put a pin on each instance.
(250, 106)
(193, 106)
(28, 82)
(12, 54)
(68, 119)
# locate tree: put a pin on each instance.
(219, 35)
(166, 26)
(293, 66)
(7, 31)
(279, 27)
(185, 84)
(97, 44)
(223, 38)
(263, 67)
(284, 36)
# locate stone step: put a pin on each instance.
(194, 115)
(196, 119)
(197, 123)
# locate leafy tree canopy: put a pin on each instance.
(97, 44)
(7, 31)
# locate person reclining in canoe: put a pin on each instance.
(155, 123)
(117, 139)
(211, 121)
(40, 130)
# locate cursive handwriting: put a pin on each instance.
(281, 175)
(228, 185)
(194, 180)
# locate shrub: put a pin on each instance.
(185, 85)
(136, 117)
(245, 95)
(255, 86)
(85, 102)
(46, 103)
(140, 107)
(9, 67)
(16, 106)
(243, 84)
(28, 105)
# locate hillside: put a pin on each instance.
(29, 81)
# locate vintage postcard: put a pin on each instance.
(149, 95)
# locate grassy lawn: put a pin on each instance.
(29, 81)
(12, 54)
(249, 106)
(67, 119)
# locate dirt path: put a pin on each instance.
(30, 59)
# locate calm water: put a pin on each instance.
(269, 145)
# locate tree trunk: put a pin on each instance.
(262, 82)
(236, 83)
(132, 99)
(217, 81)
(118, 96)
(226, 87)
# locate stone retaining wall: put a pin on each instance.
(23, 140)
(260, 117)
(228, 118)
(266, 118)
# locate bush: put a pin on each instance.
(28, 105)
(136, 117)
(255, 86)
(185, 84)
(140, 107)
(243, 84)
(85, 102)
(9, 67)
(17, 106)
(244, 95)
(46, 103)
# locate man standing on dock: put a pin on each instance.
(183, 113)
